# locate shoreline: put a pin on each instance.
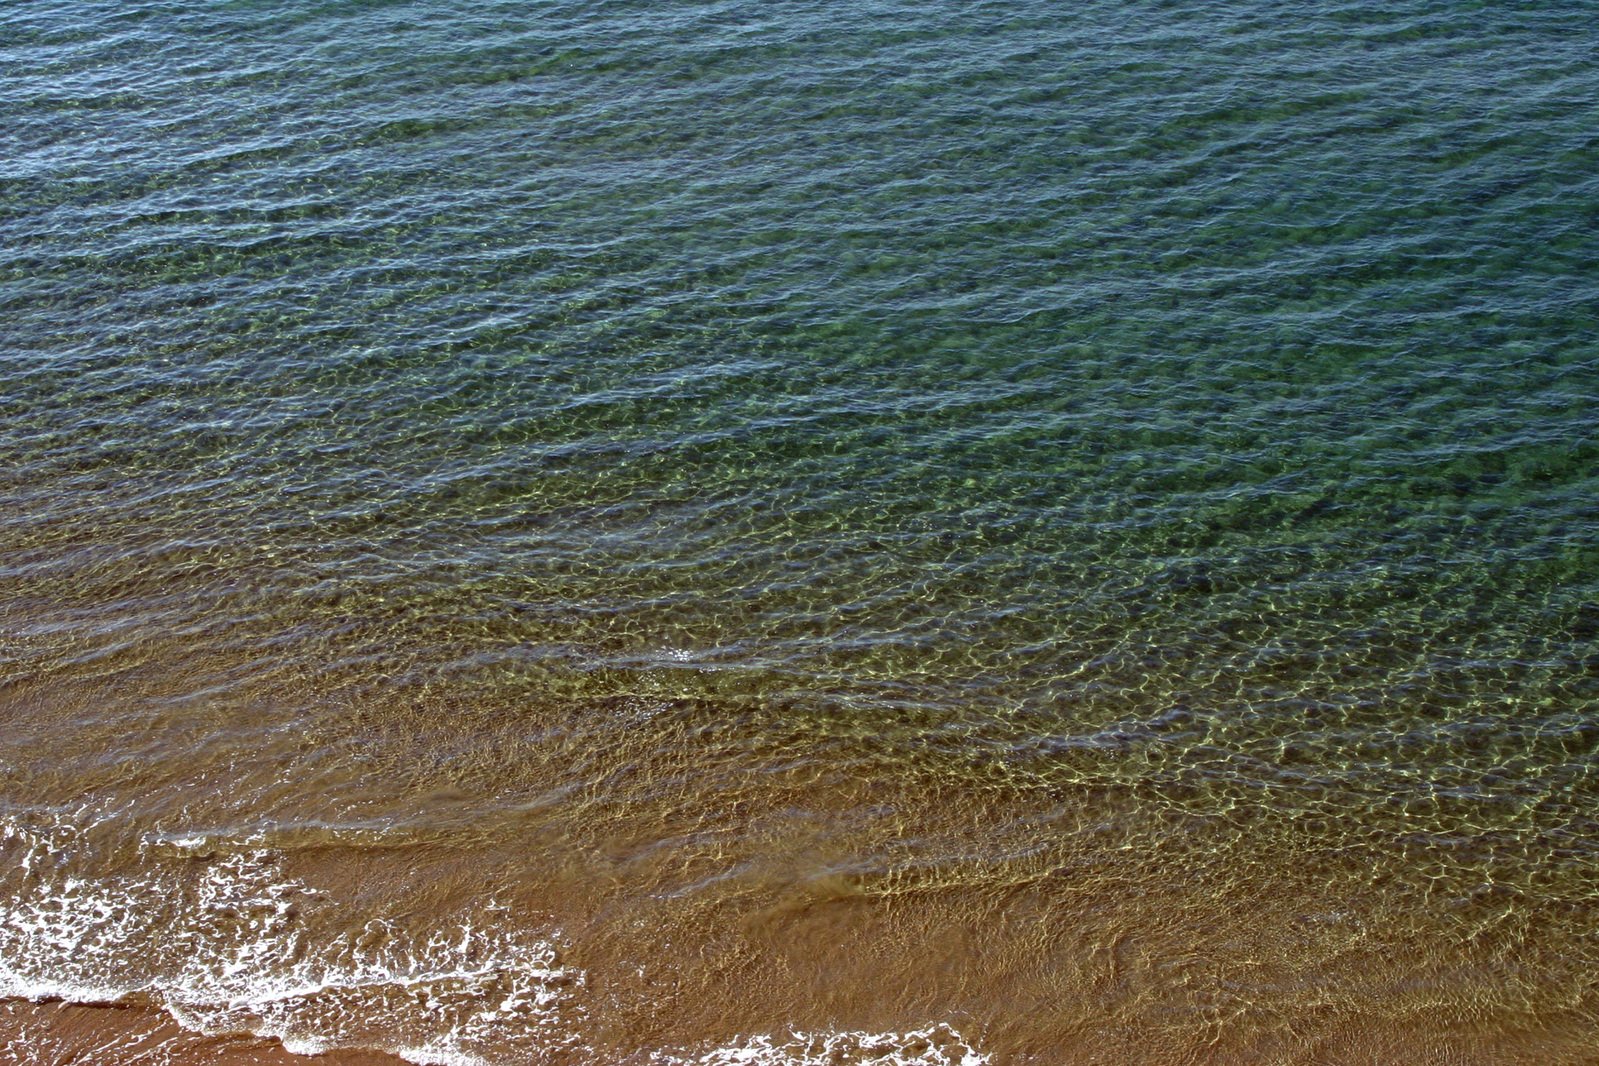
(57, 1030)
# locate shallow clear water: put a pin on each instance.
(905, 532)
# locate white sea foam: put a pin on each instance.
(225, 941)
(938, 1045)
(239, 948)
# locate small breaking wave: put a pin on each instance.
(228, 942)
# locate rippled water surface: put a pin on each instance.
(726, 532)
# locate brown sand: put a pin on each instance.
(55, 1034)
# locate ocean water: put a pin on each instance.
(998, 532)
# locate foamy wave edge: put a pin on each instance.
(239, 958)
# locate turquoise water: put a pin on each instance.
(1121, 471)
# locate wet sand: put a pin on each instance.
(56, 1033)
